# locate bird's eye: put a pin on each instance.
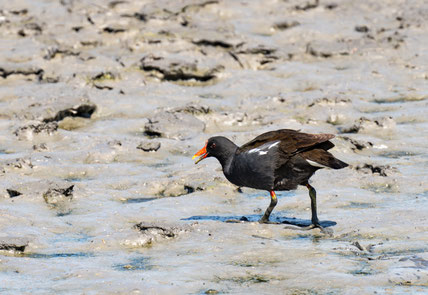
(212, 145)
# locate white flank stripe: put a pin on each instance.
(315, 164)
(272, 145)
(253, 151)
(263, 150)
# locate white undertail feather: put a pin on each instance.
(315, 164)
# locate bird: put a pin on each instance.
(279, 160)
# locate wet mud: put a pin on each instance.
(103, 104)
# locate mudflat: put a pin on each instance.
(103, 104)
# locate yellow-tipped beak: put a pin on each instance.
(203, 153)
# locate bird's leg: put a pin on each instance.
(313, 195)
(273, 201)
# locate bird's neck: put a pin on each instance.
(226, 161)
(227, 157)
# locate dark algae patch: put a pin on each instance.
(138, 200)
(137, 263)
(59, 255)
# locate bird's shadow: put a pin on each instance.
(255, 218)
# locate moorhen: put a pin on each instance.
(277, 160)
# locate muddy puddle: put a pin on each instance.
(103, 104)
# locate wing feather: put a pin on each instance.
(291, 141)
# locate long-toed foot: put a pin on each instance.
(266, 221)
(263, 220)
(312, 226)
(315, 224)
(324, 230)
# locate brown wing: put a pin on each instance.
(324, 158)
(291, 141)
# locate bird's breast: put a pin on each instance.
(252, 169)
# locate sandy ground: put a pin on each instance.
(103, 103)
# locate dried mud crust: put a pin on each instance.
(103, 104)
(177, 69)
(151, 232)
(173, 124)
(15, 244)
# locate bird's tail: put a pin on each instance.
(323, 159)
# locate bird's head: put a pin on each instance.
(219, 147)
